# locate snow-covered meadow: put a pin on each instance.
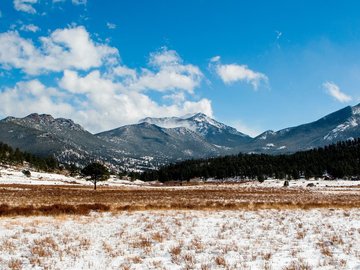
(216, 225)
(14, 175)
(263, 239)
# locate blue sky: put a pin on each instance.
(255, 65)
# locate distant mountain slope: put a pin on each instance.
(45, 136)
(157, 141)
(165, 144)
(212, 131)
(340, 125)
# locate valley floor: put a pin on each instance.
(48, 222)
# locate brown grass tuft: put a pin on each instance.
(220, 261)
(52, 210)
(15, 264)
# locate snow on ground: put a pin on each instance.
(13, 175)
(264, 239)
(303, 183)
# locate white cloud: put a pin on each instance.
(96, 103)
(215, 59)
(33, 96)
(111, 25)
(333, 90)
(170, 74)
(107, 104)
(233, 73)
(93, 82)
(30, 28)
(123, 72)
(118, 97)
(102, 98)
(63, 49)
(25, 5)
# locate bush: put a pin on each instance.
(261, 178)
(27, 173)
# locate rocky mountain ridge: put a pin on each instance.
(156, 141)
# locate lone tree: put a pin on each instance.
(97, 172)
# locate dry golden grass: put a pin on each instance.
(60, 200)
(15, 264)
(220, 261)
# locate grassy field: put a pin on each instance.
(36, 199)
(198, 226)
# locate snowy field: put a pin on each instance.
(215, 225)
(264, 239)
(12, 175)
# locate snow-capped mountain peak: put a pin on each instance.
(209, 129)
(199, 123)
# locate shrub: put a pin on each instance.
(27, 173)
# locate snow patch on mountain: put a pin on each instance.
(266, 134)
(356, 110)
(199, 123)
(350, 123)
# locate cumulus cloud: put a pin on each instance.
(123, 72)
(107, 102)
(30, 28)
(94, 88)
(101, 100)
(170, 74)
(64, 48)
(333, 90)
(104, 104)
(25, 6)
(97, 103)
(92, 82)
(232, 73)
(33, 96)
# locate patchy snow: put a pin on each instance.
(12, 175)
(356, 109)
(265, 135)
(198, 123)
(302, 183)
(264, 239)
(333, 134)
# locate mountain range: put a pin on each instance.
(156, 141)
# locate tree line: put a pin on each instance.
(10, 156)
(340, 160)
